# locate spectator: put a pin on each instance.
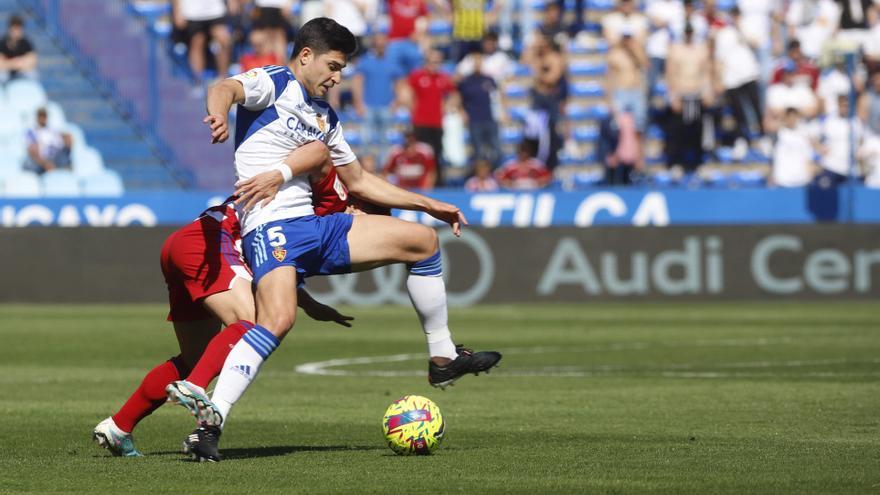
(493, 62)
(840, 136)
(203, 21)
(625, 19)
(524, 172)
(805, 71)
(477, 92)
(693, 17)
(761, 23)
(430, 87)
(663, 14)
(627, 64)
(869, 154)
(740, 73)
(261, 53)
(688, 79)
(373, 91)
(792, 153)
(854, 21)
(412, 166)
(17, 55)
(482, 180)
(272, 18)
(48, 148)
(832, 84)
(812, 22)
(550, 27)
(407, 33)
(469, 22)
(869, 105)
(548, 93)
(787, 94)
(356, 15)
(620, 147)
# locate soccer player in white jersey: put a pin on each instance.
(280, 108)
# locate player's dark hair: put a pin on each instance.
(16, 21)
(323, 35)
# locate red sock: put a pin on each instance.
(149, 395)
(211, 362)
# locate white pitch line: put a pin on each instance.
(324, 368)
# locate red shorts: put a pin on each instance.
(199, 260)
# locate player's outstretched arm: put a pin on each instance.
(265, 186)
(320, 312)
(371, 188)
(221, 96)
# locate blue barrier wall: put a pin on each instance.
(538, 209)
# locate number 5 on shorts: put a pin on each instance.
(276, 237)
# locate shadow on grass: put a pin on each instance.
(278, 450)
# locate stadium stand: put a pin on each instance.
(157, 93)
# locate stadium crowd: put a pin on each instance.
(524, 95)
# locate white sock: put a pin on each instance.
(241, 368)
(428, 296)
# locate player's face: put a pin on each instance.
(326, 72)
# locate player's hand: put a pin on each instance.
(263, 186)
(219, 128)
(322, 312)
(449, 213)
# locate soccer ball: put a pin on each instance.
(413, 425)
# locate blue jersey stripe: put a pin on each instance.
(247, 122)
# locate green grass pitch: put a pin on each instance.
(593, 398)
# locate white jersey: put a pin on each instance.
(276, 118)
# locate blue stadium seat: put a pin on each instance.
(394, 137)
(522, 70)
(60, 183)
(87, 161)
(587, 179)
(591, 89)
(586, 134)
(749, 178)
(353, 137)
(589, 69)
(106, 184)
(22, 185)
(600, 5)
(515, 91)
(25, 96)
(439, 27)
(511, 135)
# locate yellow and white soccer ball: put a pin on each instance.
(413, 425)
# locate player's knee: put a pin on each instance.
(279, 324)
(428, 243)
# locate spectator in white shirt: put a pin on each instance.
(869, 155)
(786, 94)
(840, 135)
(792, 153)
(48, 148)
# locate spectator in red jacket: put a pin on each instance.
(525, 172)
(430, 87)
(411, 166)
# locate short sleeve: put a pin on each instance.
(263, 86)
(340, 151)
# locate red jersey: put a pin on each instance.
(329, 195)
(403, 15)
(411, 167)
(532, 176)
(804, 71)
(429, 89)
(253, 61)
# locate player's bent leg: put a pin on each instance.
(377, 240)
(276, 313)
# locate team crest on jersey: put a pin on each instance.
(251, 74)
(321, 123)
(279, 253)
